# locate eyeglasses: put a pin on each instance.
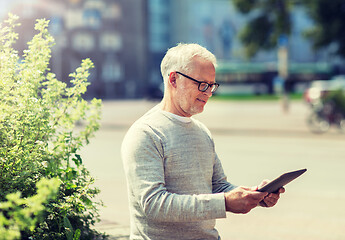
(203, 86)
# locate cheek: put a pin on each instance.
(184, 92)
(188, 94)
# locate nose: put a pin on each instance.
(208, 92)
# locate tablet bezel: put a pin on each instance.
(281, 181)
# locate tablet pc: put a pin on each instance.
(280, 181)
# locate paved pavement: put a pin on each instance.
(255, 140)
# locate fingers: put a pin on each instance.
(242, 199)
(263, 183)
(272, 199)
(258, 195)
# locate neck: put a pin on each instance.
(168, 105)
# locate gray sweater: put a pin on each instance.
(175, 179)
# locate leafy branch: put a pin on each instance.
(43, 125)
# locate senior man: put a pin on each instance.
(176, 184)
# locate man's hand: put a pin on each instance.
(242, 199)
(271, 199)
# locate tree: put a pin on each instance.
(329, 27)
(269, 21)
(268, 27)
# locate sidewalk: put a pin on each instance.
(113, 230)
(248, 134)
(221, 117)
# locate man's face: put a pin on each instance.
(188, 99)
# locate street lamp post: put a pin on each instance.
(283, 70)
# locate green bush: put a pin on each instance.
(43, 125)
(19, 217)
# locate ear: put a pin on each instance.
(172, 79)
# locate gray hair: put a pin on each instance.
(179, 58)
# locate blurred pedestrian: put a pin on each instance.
(176, 184)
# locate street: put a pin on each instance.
(255, 141)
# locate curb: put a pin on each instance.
(113, 230)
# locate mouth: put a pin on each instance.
(201, 100)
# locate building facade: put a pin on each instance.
(127, 39)
(112, 33)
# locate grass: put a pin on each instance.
(248, 97)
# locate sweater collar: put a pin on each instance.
(179, 118)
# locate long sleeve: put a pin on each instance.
(219, 179)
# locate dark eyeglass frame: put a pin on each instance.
(213, 86)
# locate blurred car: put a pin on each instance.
(320, 88)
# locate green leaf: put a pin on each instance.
(77, 234)
(78, 161)
(68, 228)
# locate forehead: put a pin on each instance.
(200, 62)
(203, 69)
